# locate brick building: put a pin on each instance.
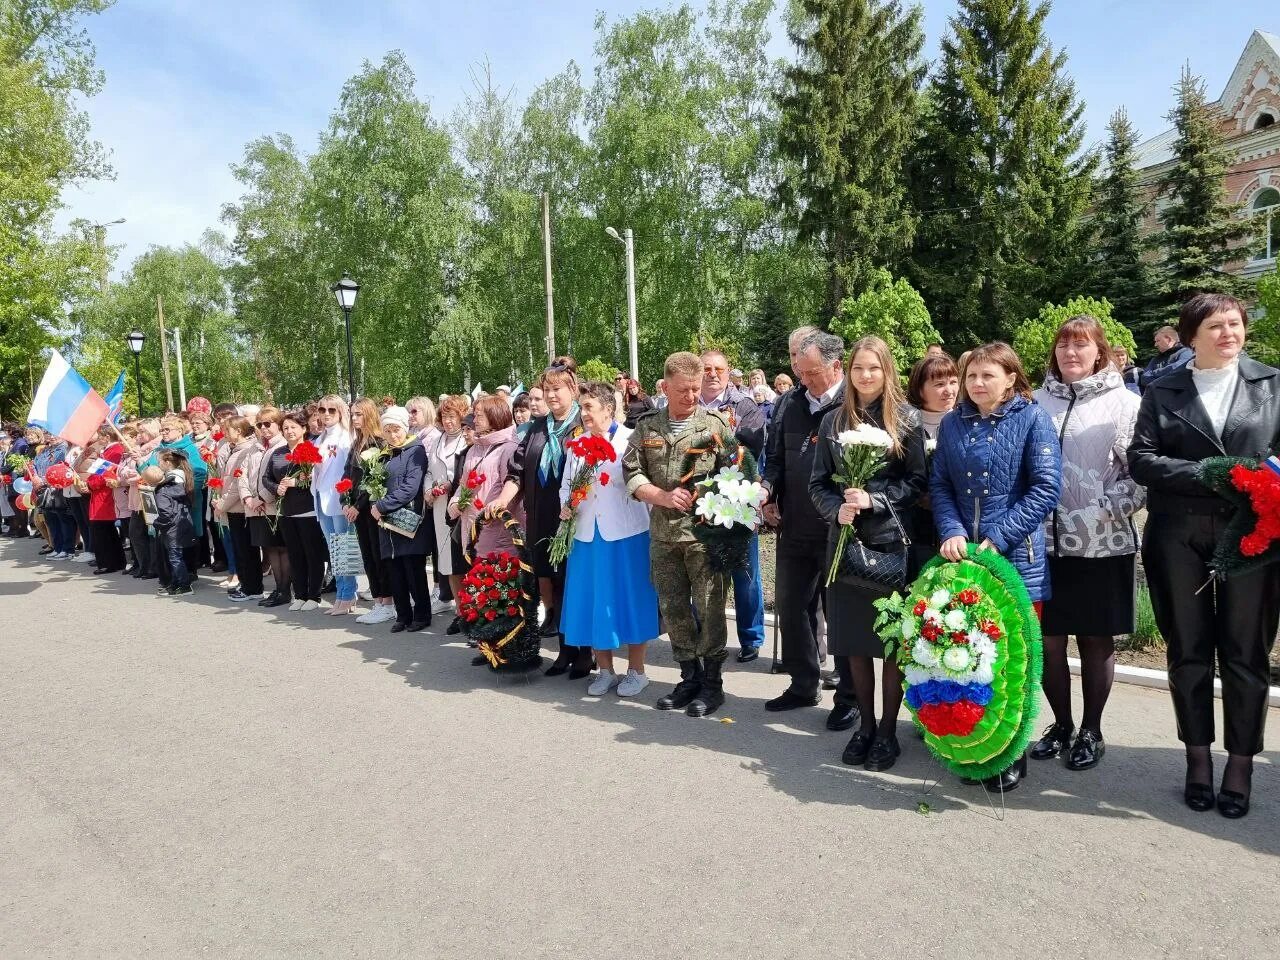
(1250, 122)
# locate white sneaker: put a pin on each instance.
(602, 683)
(632, 684)
(58, 556)
(83, 557)
(439, 606)
(308, 606)
(365, 595)
(295, 606)
(381, 613)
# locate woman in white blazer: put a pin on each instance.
(609, 600)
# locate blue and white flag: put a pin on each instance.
(115, 400)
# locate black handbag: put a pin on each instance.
(875, 569)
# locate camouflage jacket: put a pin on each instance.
(654, 455)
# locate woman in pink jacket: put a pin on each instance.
(489, 457)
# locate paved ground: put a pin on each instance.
(187, 779)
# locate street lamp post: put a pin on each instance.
(346, 291)
(136, 338)
(628, 241)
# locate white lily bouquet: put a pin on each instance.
(727, 512)
(863, 452)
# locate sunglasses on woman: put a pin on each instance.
(328, 410)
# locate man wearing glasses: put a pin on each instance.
(744, 414)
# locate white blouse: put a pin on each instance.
(608, 507)
(1217, 388)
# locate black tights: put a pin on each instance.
(1237, 777)
(863, 673)
(1097, 672)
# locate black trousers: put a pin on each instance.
(143, 544)
(1233, 622)
(410, 589)
(80, 513)
(800, 575)
(308, 554)
(250, 569)
(107, 548)
(375, 568)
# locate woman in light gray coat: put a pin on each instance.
(1090, 537)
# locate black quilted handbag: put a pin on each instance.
(876, 569)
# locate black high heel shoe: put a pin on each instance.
(1199, 796)
(563, 660)
(584, 661)
(1231, 803)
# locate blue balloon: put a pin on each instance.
(21, 485)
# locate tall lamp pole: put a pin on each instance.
(346, 290)
(628, 241)
(136, 339)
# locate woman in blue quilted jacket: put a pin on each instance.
(996, 476)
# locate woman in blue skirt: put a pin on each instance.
(609, 601)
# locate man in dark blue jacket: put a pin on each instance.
(1170, 355)
(748, 425)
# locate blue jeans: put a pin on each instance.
(748, 599)
(62, 530)
(333, 526)
(225, 533)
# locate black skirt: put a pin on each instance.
(851, 621)
(262, 536)
(1091, 596)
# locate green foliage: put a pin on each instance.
(1146, 634)
(848, 117)
(597, 369)
(998, 174)
(1120, 274)
(1034, 338)
(46, 70)
(1201, 229)
(892, 310)
(1264, 332)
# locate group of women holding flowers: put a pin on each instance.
(1050, 479)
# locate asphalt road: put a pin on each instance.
(190, 778)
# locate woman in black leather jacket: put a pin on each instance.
(872, 396)
(1222, 403)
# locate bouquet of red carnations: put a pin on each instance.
(306, 458)
(592, 452)
(343, 489)
(491, 592)
(1251, 538)
(470, 487)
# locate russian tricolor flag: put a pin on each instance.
(66, 405)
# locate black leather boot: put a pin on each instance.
(584, 661)
(563, 659)
(711, 695)
(686, 690)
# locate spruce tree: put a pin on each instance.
(1201, 229)
(1120, 274)
(998, 176)
(848, 117)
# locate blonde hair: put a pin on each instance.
(370, 423)
(891, 397)
(682, 364)
(428, 410)
(344, 412)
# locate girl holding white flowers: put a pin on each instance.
(609, 600)
(875, 409)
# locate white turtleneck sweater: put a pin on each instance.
(1217, 388)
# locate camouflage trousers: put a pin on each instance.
(685, 583)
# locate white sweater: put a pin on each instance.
(1217, 388)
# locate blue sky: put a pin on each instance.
(188, 84)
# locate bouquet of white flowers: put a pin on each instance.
(862, 453)
(727, 512)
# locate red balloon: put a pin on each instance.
(23, 501)
(60, 476)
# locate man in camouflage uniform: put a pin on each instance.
(669, 449)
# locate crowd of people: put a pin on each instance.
(1051, 478)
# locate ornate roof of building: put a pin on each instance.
(1262, 48)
